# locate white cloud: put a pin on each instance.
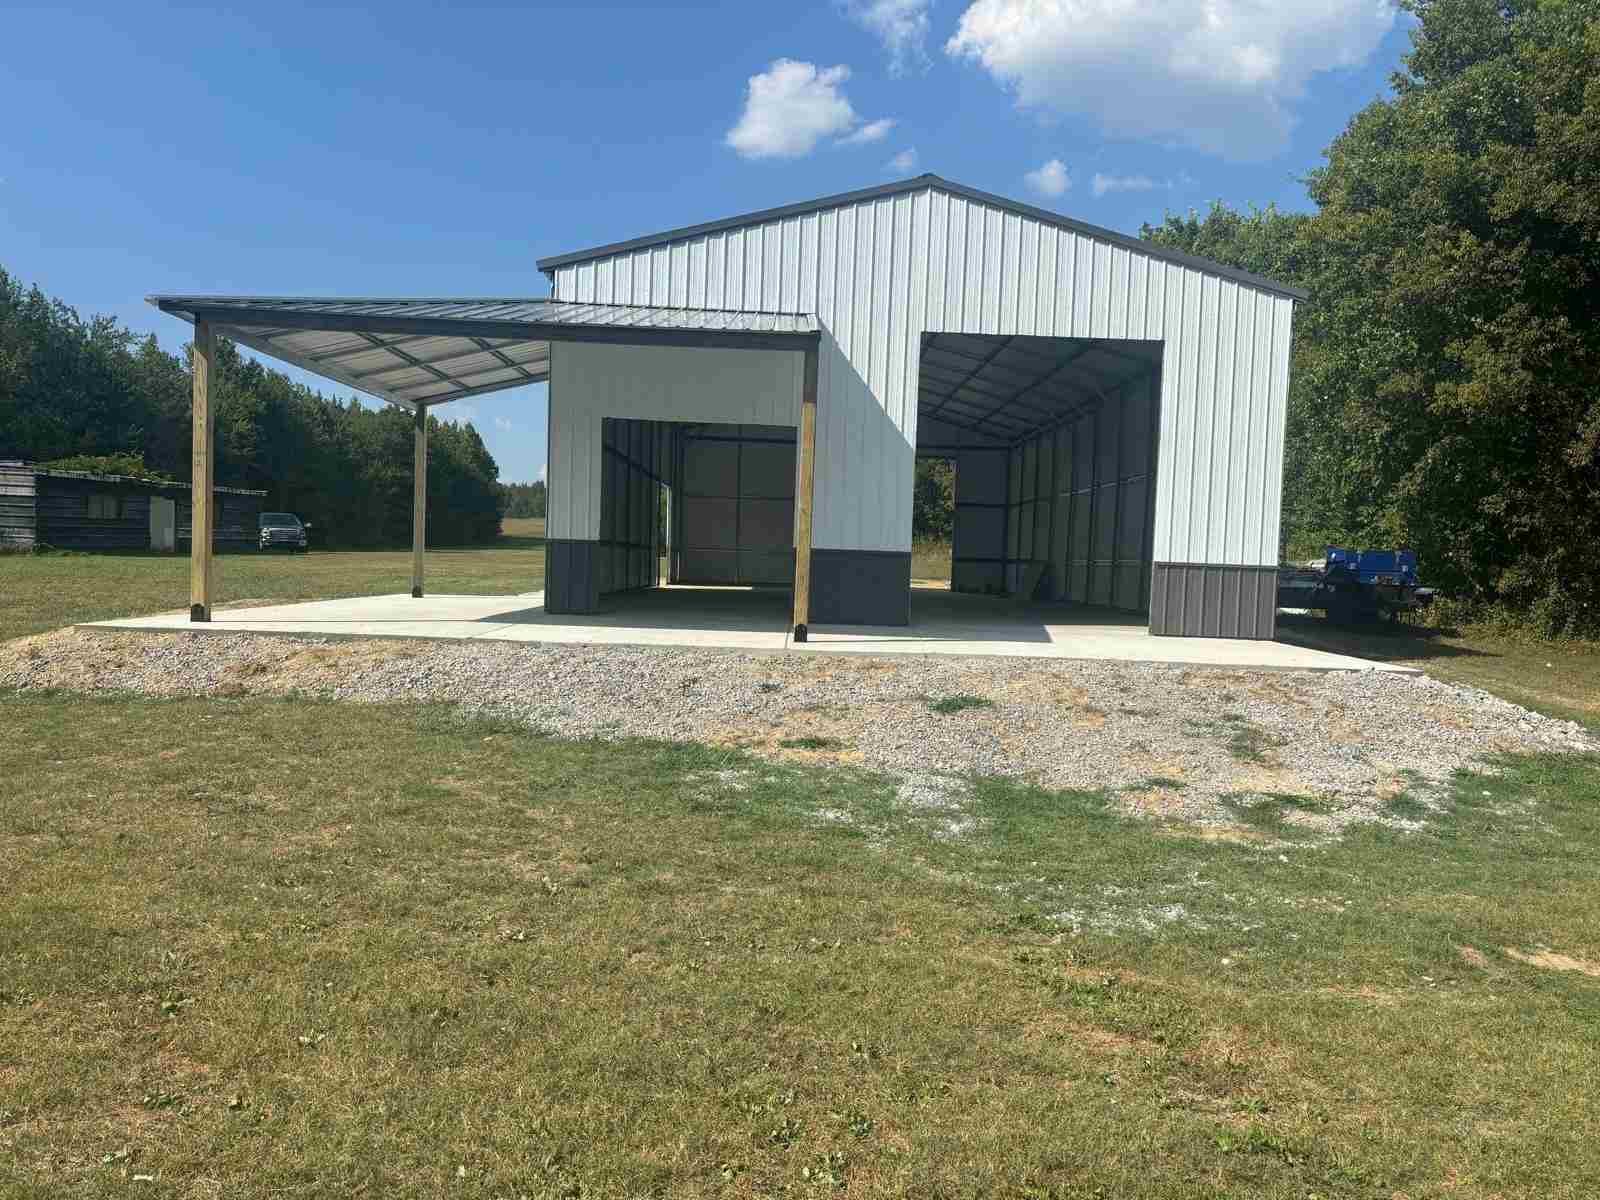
(540, 476)
(1221, 76)
(872, 131)
(789, 108)
(901, 25)
(1051, 178)
(1101, 184)
(503, 424)
(903, 162)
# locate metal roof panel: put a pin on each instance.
(431, 349)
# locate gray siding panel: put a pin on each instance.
(1214, 600)
(634, 463)
(856, 587)
(571, 584)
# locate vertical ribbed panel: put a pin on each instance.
(650, 383)
(18, 506)
(1213, 600)
(881, 271)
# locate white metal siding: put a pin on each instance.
(589, 382)
(880, 272)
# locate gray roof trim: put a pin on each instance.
(525, 319)
(916, 184)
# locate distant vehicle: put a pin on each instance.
(282, 531)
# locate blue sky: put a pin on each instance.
(411, 149)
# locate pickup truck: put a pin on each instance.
(282, 531)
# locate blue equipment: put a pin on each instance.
(1354, 586)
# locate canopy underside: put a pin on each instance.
(419, 352)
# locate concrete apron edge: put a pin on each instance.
(789, 647)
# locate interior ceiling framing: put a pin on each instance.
(1009, 387)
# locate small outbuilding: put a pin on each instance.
(76, 510)
(1115, 410)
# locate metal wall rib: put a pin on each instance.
(879, 272)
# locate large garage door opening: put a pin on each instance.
(1055, 441)
(696, 504)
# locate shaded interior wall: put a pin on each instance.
(636, 458)
(1076, 498)
(733, 512)
(977, 558)
(17, 511)
(1079, 501)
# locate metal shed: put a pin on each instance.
(1116, 410)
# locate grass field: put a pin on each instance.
(1559, 678)
(296, 948)
(39, 592)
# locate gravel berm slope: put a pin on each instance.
(1177, 743)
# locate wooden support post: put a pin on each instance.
(202, 520)
(419, 498)
(805, 497)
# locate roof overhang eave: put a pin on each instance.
(258, 324)
(528, 331)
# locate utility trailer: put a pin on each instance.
(1353, 587)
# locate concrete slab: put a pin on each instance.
(744, 620)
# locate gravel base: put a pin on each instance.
(1178, 744)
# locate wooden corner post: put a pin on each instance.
(419, 497)
(806, 495)
(202, 518)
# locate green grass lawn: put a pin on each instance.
(294, 948)
(39, 592)
(930, 562)
(1559, 678)
(286, 948)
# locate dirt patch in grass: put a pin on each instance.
(1268, 779)
(1158, 802)
(1365, 994)
(1551, 960)
(1238, 835)
(317, 667)
(1060, 1027)
(817, 734)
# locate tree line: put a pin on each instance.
(525, 499)
(92, 394)
(1445, 392)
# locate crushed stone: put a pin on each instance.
(1182, 745)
